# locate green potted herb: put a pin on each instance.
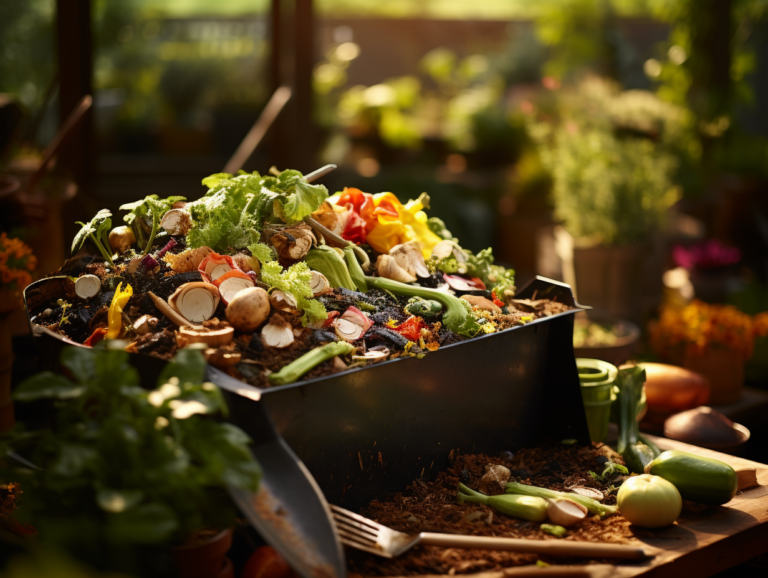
(125, 472)
(611, 158)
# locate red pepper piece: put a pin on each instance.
(96, 336)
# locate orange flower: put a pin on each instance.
(16, 262)
(699, 326)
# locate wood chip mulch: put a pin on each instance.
(431, 507)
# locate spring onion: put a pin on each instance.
(525, 507)
(591, 505)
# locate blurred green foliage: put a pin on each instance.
(612, 157)
(124, 471)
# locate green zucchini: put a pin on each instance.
(698, 479)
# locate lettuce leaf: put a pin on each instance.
(295, 280)
(231, 213)
(296, 198)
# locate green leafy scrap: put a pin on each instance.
(296, 197)
(231, 213)
(295, 280)
(264, 253)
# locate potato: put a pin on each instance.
(248, 309)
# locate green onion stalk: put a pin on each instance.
(525, 507)
(592, 506)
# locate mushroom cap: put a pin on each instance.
(248, 309)
(277, 333)
(87, 286)
(217, 336)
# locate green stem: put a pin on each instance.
(294, 370)
(104, 253)
(152, 235)
(591, 505)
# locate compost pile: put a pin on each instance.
(276, 281)
(433, 507)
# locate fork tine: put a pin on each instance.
(356, 527)
(368, 549)
(369, 541)
(357, 517)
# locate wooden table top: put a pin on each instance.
(699, 544)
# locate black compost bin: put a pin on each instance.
(368, 432)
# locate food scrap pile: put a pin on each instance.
(276, 281)
(433, 507)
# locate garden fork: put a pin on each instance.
(369, 536)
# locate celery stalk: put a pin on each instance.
(294, 370)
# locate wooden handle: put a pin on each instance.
(60, 139)
(552, 547)
(276, 103)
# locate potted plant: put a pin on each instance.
(125, 472)
(713, 340)
(613, 171)
(16, 265)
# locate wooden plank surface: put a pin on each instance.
(708, 540)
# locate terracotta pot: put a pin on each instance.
(204, 559)
(610, 279)
(724, 368)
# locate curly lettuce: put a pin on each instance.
(295, 280)
(230, 215)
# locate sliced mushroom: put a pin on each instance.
(231, 283)
(215, 336)
(565, 512)
(319, 284)
(145, 324)
(387, 267)
(481, 303)
(197, 301)
(284, 302)
(293, 242)
(409, 257)
(277, 333)
(176, 222)
(376, 353)
(87, 286)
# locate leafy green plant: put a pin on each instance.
(97, 230)
(141, 212)
(610, 471)
(124, 469)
